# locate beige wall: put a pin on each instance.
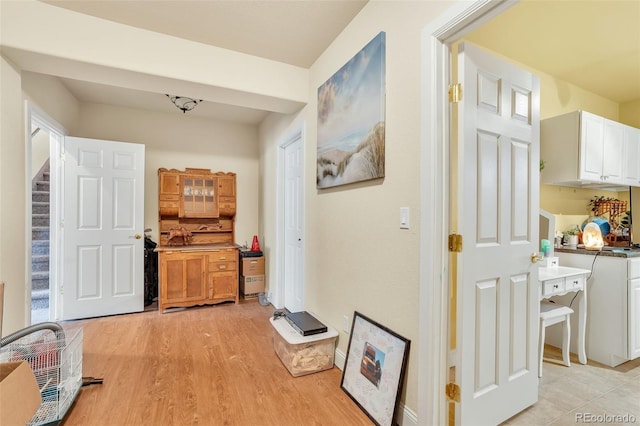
(12, 193)
(52, 97)
(356, 257)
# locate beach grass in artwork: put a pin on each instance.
(351, 108)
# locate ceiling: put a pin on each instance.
(592, 44)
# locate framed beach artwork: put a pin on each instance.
(351, 118)
(373, 372)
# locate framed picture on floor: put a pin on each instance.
(374, 370)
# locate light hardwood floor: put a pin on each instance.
(208, 366)
(216, 366)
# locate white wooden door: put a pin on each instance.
(103, 229)
(293, 227)
(497, 207)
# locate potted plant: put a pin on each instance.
(571, 236)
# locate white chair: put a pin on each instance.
(550, 314)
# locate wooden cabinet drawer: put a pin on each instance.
(227, 255)
(227, 206)
(252, 266)
(168, 207)
(222, 266)
(553, 286)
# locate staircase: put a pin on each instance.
(40, 246)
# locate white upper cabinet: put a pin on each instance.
(612, 151)
(631, 158)
(590, 145)
(583, 149)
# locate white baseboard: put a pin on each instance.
(407, 416)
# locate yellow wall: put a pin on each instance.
(630, 113)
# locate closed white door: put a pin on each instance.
(103, 228)
(293, 227)
(497, 215)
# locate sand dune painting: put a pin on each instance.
(351, 108)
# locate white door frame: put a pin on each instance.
(56, 135)
(277, 292)
(457, 21)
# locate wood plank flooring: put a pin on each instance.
(209, 366)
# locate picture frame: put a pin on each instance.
(351, 119)
(374, 368)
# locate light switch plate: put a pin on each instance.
(404, 218)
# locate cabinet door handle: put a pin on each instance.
(222, 267)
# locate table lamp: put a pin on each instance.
(592, 237)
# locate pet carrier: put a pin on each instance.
(55, 356)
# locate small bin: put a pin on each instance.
(303, 354)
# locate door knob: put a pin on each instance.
(138, 236)
(535, 257)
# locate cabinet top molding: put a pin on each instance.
(191, 170)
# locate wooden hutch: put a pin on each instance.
(197, 254)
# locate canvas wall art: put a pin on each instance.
(351, 118)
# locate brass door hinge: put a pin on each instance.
(455, 243)
(455, 93)
(453, 392)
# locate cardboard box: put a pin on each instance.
(252, 266)
(252, 285)
(19, 393)
(303, 354)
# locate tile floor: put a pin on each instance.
(569, 395)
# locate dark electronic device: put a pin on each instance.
(305, 323)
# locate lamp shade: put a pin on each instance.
(592, 237)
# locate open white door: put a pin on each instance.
(103, 228)
(497, 216)
(293, 227)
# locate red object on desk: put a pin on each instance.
(255, 245)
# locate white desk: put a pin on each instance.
(563, 280)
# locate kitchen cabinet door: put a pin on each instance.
(182, 278)
(223, 285)
(591, 145)
(612, 152)
(634, 318)
(198, 197)
(631, 165)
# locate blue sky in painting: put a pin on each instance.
(351, 102)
